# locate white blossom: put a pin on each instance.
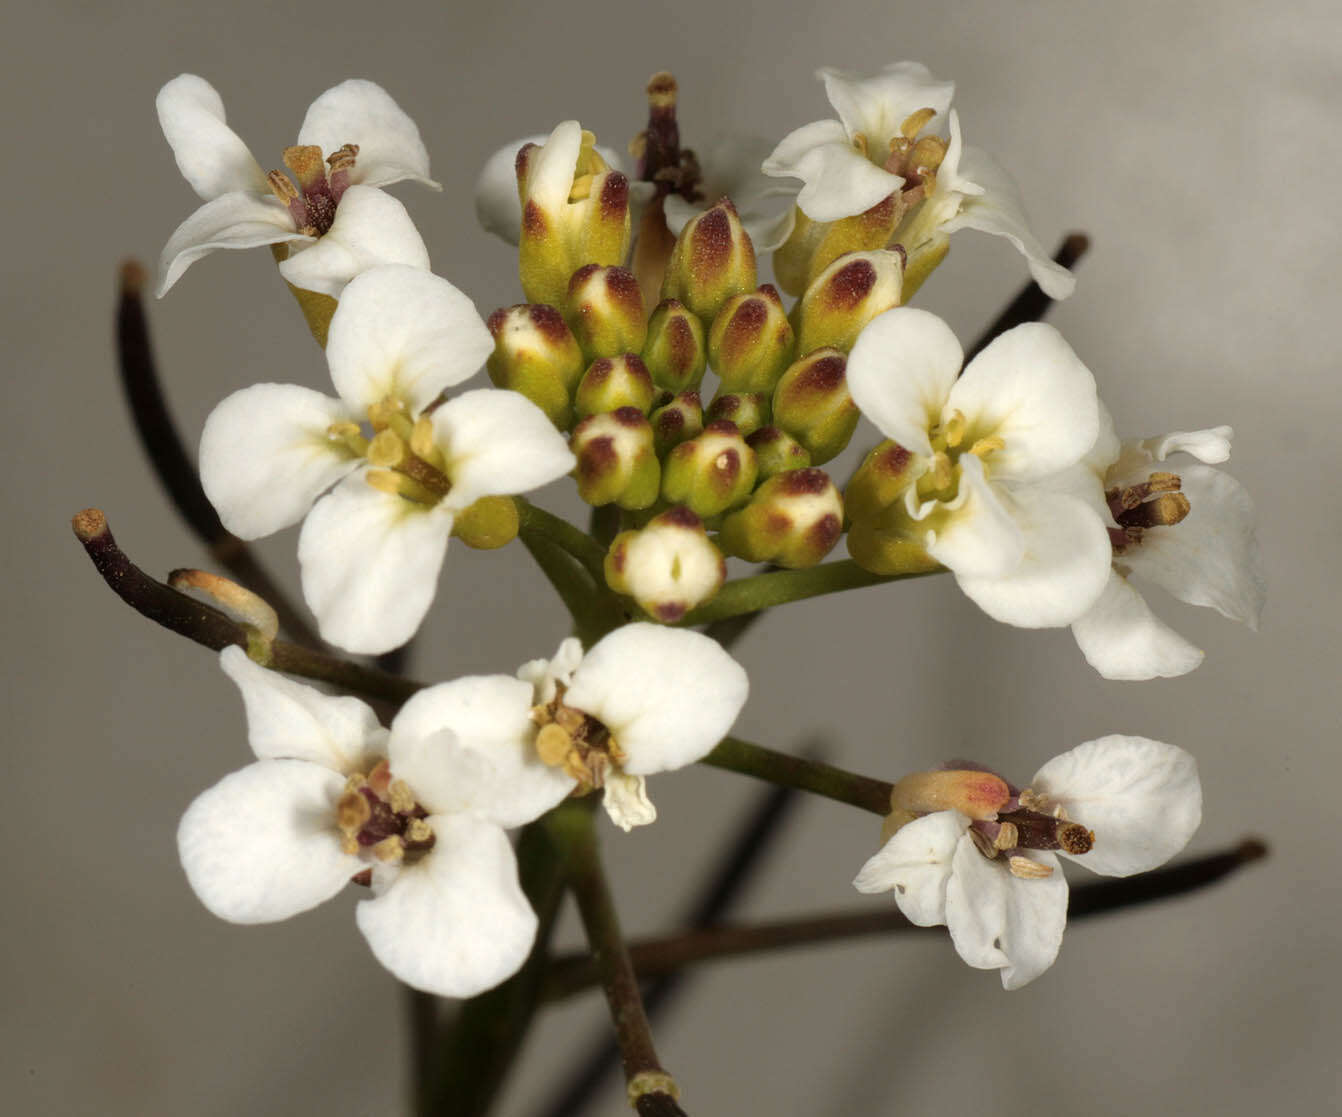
(731, 168)
(1129, 803)
(334, 220)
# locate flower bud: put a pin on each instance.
(605, 311)
(710, 473)
(675, 352)
(492, 521)
(877, 546)
(536, 355)
(793, 520)
(575, 211)
(614, 382)
(747, 410)
(713, 260)
(776, 451)
(812, 403)
(616, 462)
(669, 566)
(878, 482)
(814, 245)
(845, 297)
(677, 420)
(751, 341)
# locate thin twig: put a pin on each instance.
(573, 973)
(1031, 304)
(786, 770)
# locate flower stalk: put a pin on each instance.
(736, 755)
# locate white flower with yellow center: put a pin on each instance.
(330, 214)
(991, 449)
(416, 814)
(980, 856)
(371, 549)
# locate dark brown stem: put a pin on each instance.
(172, 465)
(211, 628)
(573, 973)
(1031, 304)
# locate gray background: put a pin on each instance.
(1196, 142)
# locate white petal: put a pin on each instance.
(626, 801)
(498, 443)
(265, 456)
(456, 923)
(404, 332)
(469, 746)
(363, 113)
(1211, 557)
(667, 695)
(210, 155)
(370, 228)
(551, 169)
(370, 563)
(839, 180)
(1122, 639)
(235, 220)
(998, 210)
(497, 205)
(543, 674)
(1063, 572)
(978, 535)
(901, 371)
(1208, 446)
(261, 844)
(1030, 389)
(287, 720)
(877, 106)
(916, 864)
(1141, 797)
(998, 921)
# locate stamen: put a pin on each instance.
(398, 484)
(915, 123)
(400, 797)
(1164, 511)
(1007, 836)
(582, 188)
(308, 167)
(423, 444)
(927, 155)
(985, 446)
(553, 745)
(390, 849)
(387, 450)
(350, 435)
(341, 163)
(954, 429)
(862, 144)
(287, 193)
(1026, 869)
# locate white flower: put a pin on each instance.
(991, 450)
(417, 813)
(335, 221)
(887, 141)
(731, 169)
(372, 549)
(1186, 527)
(644, 699)
(1122, 804)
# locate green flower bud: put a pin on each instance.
(776, 451)
(748, 410)
(605, 311)
(616, 461)
(669, 566)
(793, 520)
(614, 382)
(678, 419)
(813, 405)
(674, 352)
(751, 341)
(879, 481)
(882, 551)
(490, 522)
(536, 354)
(713, 260)
(845, 297)
(711, 473)
(814, 245)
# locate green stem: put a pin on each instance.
(778, 587)
(537, 523)
(594, 610)
(736, 755)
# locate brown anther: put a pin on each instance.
(983, 843)
(1007, 836)
(343, 158)
(553, 745)
(308, 167)
(281, 187)
(401, 798)
(379, 779)
(1164, 511)
(916, 122)
(390, 849)
(1026, 869)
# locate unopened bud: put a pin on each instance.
(845, 297)
(616, 460)
(536, 355)
(814, 245)
(677, 420)
(748, 410)
(492, 521)
(712, 261)
(878, 482)
(793, 520)
(877, 548)
(614, 382)
(669, 566)
(711, 473)
(605, 311)
(675, 352)
(980, 795)
(776, 451)
(751, 341)
(812, 403)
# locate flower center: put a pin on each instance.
(312, 203)
(1155, 502)
(379, 814)
(1030, 823)
(950, 440)
(576, 742)
(916, 160)
(406, 459)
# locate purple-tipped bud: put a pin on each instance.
(675, 352)
(885, 473)
(793, 520)
(536, 354)
(747, 410)
(711, 473)
(614, 382)
(616, 460)
(776, 451)
(751, 341)
(677, 420)
(814, 245)
(812, 403)
(669, 566)
(713, 260)
(605, 311)
(845, 297)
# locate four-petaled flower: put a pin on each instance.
(331, 215)
(1117, 805)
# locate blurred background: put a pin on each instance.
(1196, 143)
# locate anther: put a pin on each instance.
(1026, 869)
(1007, 836)
(1165, 510)
(401, 798)
(553, 745)
(954, 430)
(985, 446)
(916, 122)
(390, 849)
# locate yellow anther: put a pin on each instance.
(1026, 869)
(916, 122)
(401, 798)
(352, 811)
(383, 413)
(862, 144)
(1007, 836)
(954, 429)
(399, 485)
(942, 471)
(307, 165)
(553, 745)
(422, 442)
(349, 435)
(418, 831)
(927, 154)
(985, 446)
(387, 450)
(389, 850)
(582, 188)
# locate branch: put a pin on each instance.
(573, 973)
(1031, 304)
(536, 522)
(736, 755)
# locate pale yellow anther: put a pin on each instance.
(954, 430)
(418, 831)
(942, 471)
(349, 436)
(281, 187)
(401, 798)
(582, 188)
(553, 745)
(386, 412)
(927, 155)
(1007, 836)
(389, 850)
(861, 143)
(352, 811)
(398, 484)
(1026, 869)
(307, 165)
(916, 122)
(985, 446)
(423, 445)
(387, 450)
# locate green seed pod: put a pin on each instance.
(711, 473)
(812, 403)
(614, 382)
(793, 520)
(776, 451)
(605, 311)
(713, 260)
(616, 461)
(845, 297)
(668, 566)
(748, 410)
(751, 341)
(885, 473)
(680, 418)
(674, 351)
(536, 354)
